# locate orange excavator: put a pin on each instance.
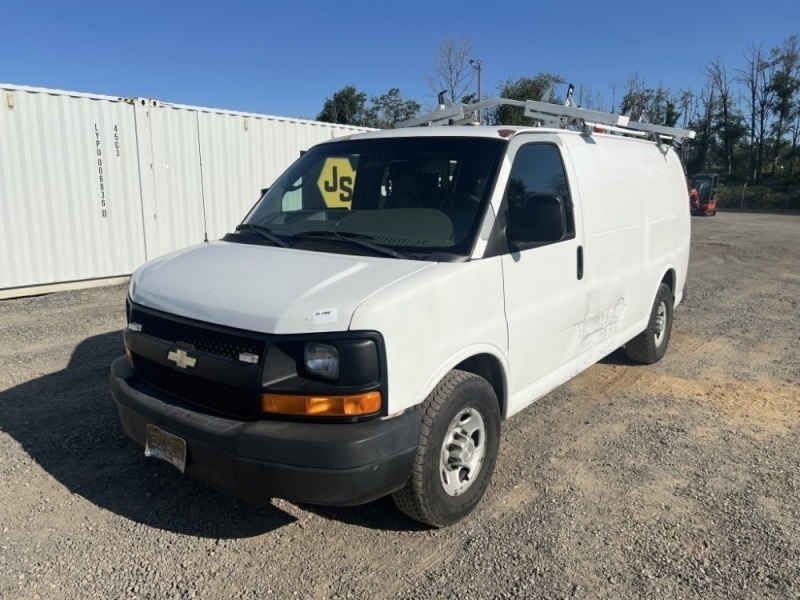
(703, 194)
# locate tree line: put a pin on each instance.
(747, 117)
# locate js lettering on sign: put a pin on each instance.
(341, 184)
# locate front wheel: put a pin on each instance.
(651, 345)
(457, 451)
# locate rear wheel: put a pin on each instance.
(651, 345)
(459, 440)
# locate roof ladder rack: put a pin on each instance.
(556, 116)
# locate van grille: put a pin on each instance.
(228, 345)
(231, 400)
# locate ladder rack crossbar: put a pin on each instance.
(533, 108)
(662, 130)
(450, 115)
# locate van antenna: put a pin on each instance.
(202, 190)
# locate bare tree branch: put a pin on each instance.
(451, 72)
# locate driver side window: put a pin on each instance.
(537, 173)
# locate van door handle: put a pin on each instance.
(580, 263)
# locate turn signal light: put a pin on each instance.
(322, 406)
(128, 352)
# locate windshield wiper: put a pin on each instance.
(264, 232)
(353, 238)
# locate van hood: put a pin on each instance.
(265, 288)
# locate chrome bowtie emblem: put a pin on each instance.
(181, 358)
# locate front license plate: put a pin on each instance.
(164, 445)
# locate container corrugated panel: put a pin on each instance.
(209, 167)
(176, 204)
(69, 188)
(93, 186)
(244, 153)
(237, 164)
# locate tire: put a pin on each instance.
(457, 451)
(650, 346)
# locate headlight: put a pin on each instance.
(322, 360)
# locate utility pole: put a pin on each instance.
(478, 66)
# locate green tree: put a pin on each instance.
(755, 77)
(643, 103)
(672, 114)
(793, 155)
(727, 121)
(348, 106)
(700, 151)
(539, 87)
(785, 85)
(687, 102)
(391, 108)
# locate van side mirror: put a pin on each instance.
(545, 222)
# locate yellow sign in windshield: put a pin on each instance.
(336, 182)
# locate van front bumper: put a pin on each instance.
(338, 464)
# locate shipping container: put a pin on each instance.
(92, 186)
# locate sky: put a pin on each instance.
(285, 58)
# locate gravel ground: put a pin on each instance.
(678, 480)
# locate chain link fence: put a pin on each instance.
(759, 197)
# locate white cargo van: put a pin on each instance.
(396, 295)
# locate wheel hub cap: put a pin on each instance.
(660, 323)
(463, 451)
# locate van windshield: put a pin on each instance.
(402, 197)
